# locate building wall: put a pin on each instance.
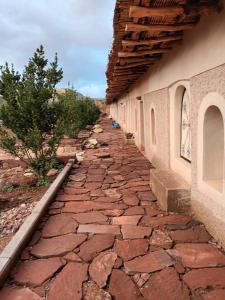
(198, 65)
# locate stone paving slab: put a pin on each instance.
(105, 238)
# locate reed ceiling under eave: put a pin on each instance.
(143, 31)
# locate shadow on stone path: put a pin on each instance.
(105, 238)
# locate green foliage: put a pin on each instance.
(31, 112)
(77, 113)
(8, 187)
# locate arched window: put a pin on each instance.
(185, 136)
(153, 131)
(213, 148)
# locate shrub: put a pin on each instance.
(31, 112)
(77, 113)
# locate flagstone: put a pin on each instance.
(66, 197)
(204, 278)
(90, 217)
(165, 285)
(57, 246)
(92, 292)
(35, 272)
(130, 199)
(113, 212)
(9, 293)
(126, 220)
(146, 196)
(99, 229)
(71, 256)
(96, 244)
(198, 255)
(148, 263)
(165, 220)
(84, 206)
(121, 287)
(96, 178)
(101, 267)
(75, 191)
(161, 239)
(68, 283)
(135, 232)
(128, 249)
(134, 210)
(197, 234)
(214, 295)
(93, 185)
(59, 225)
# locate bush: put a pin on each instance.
(77, 113)
(31, 112)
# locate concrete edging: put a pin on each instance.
(12, 250)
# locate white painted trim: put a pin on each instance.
(177, 164)
(211, 99)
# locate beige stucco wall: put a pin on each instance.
(208, 205)
(199, 63)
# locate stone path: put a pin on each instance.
(105, 238)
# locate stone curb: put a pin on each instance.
(13, 249)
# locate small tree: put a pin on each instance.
(78, 113)
(31, 112)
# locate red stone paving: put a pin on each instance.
(105, 238)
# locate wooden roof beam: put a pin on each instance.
(141, 12)
(136, 65)
(141, 53)
(152, 42)
(154, 28)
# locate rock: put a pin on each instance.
(130, 199)
(76, 191)
(121, 287)
(165, 285)
(140, 279)
(98, 130)
(22, 180)
(148, 263)
(58, 245)
(96, 244)
(197, 234)
(198, 255)
(100, 229)
(113, 212)
(135, 232)
(101, 267)
(52, 172)
(59, 225)
(147, 196)
(68, 283)
(161, 239)
(78, 207)
(214, 295)
(36, 272)
(166, 220)
(126, 220)
(112, 193)
(152, 211)
(8, 293)
(135, 210)
(128, 249)
(93, 141)
(65, 197)
(72, 257)
(204, 278)
(92, 292)
(90, 217)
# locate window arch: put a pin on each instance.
(185, 127)
(213, 148)
(153, 129)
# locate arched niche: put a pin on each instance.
(180, 129)
(213, 148)
(153, 127)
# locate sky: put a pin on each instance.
(80, 31)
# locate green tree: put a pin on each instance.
(77, 113)
(31, 112)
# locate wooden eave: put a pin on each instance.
(143, 31)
